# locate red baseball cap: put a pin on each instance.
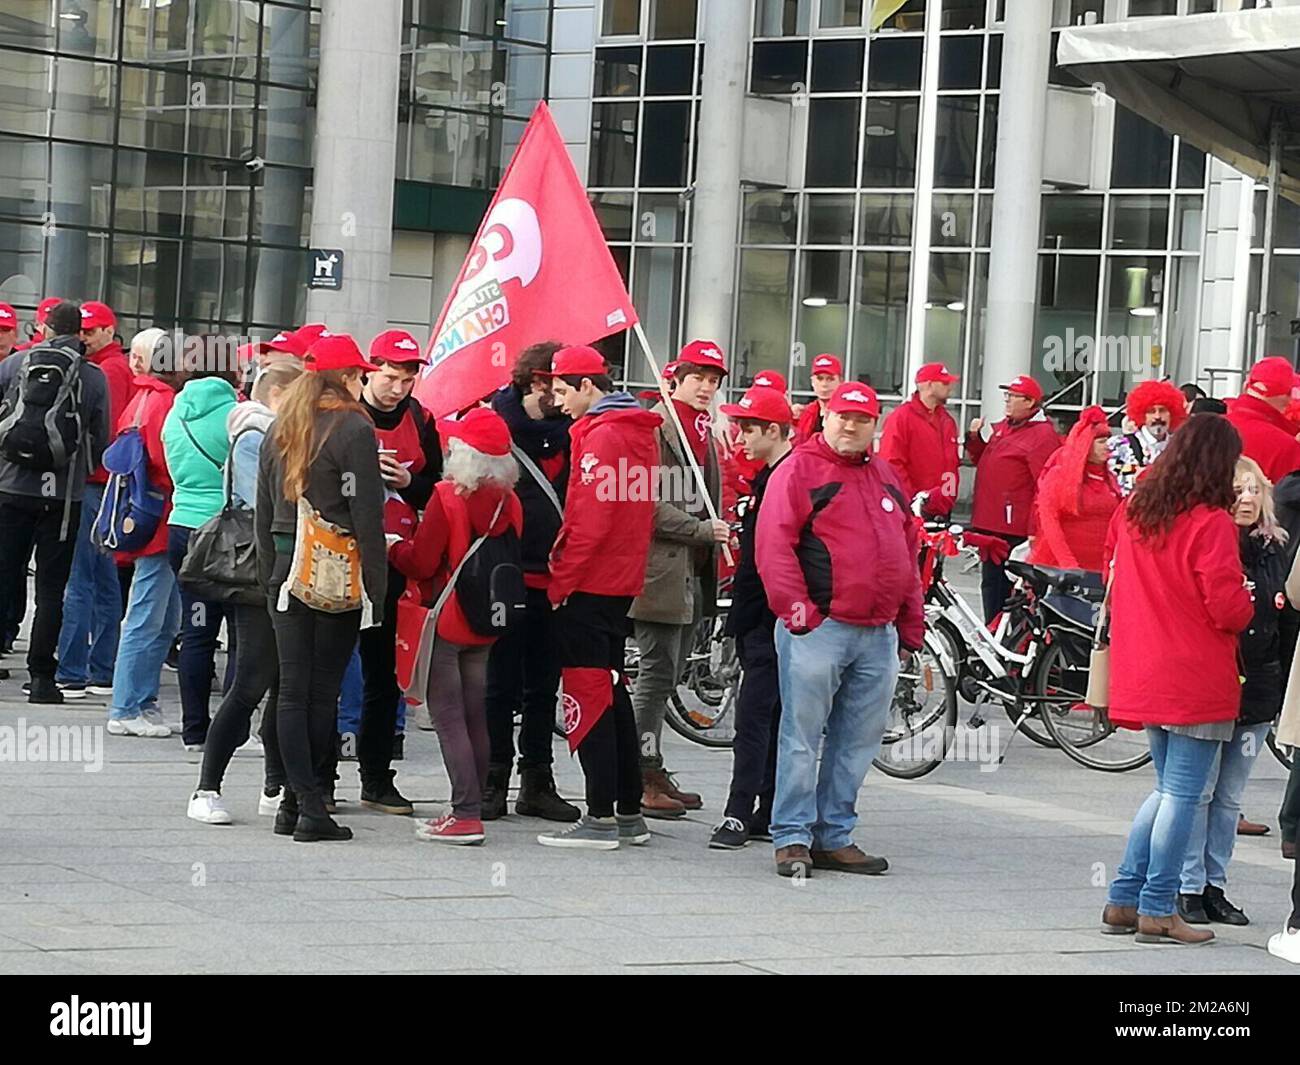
(397, 345)
(853, 397)
(1271, 377)
(935, 371)
(703, 353)
(1026, 386)
(827, 364)
(335, 351)
(670, 369)
(96, 315)
(296, 342)
(762, 403)
(577, 362)
(769, 379)
(8, 317)
(482, 429)
(45, 306)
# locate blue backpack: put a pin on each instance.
(132, 508)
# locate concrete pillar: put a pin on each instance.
(1017, 199)
(355, 159)
(716, 222)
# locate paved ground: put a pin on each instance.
(991, 873)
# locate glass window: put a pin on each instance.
(88, 30)
(894, 64)
(614, 212)
(984, 223)
(1139, 221)
(1071, 221)
(823, 311)
(1131, 325)
(672, 20)
(837, 66)
(828, 219)
(956, 137)
(666, 136)
(961, 62)
(669, 70)
(1149, 8)
(832, 143)
(890, 147)
(972, 380)
(74, 96)
(962, 15)
(994, 77)
(1178, 360)
(909, 17)
(836, 14)
(1283, 301)
(780, 18)
(779, 66)
(880, 320)
(770, 218)
(886, 218)
(764, 294)
(657, 293)
(945, 307)
(155, 31)
(1065, 322)
(951, 215)
(988, 149)
(1187, 223)
(1143, 155)
(621, 17)
(613, 145)
(1078, 12)
(451, 147)
(661, 218)
(1191, 166)
(618, 71)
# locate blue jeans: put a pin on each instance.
(1214, 825)
(92, 606)
(1157, 842)
(153, 617)
(351, 697)
(837, 679)
(200, 627)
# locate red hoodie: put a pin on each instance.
(121, 387)
(1078, 540)
(1007, 468)
(921, 445)
(157, 399)
(810, 422)
(605, 539)
(1266, 436)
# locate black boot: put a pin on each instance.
(495, 792)
(286, 817)
(315, 825)
(1191, 908)
(44, 690)
(1219, 910)
(538, 797)
(380, 793)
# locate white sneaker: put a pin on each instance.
(252, 746)
(1285, 945)
(208, 807)
(137, 726)
(154, 716)
(100, 689)
(269, 805)
(191, 748)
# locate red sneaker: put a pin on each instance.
(450, 829)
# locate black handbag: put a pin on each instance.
(221, 560)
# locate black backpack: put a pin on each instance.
(40, 414)
(489, 582)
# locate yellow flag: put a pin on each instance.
(882, 9)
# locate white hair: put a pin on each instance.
(145, 342)
(471, 469)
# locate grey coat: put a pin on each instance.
(683, 548)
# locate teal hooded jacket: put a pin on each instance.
(196, 445)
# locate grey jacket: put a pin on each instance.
(683, 548)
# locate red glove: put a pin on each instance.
(991, 548)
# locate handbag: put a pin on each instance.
(325, 571)
(1098, 694)
(221, 561)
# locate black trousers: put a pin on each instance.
(13, 600)
(994, 584)
(758, 720)
(313, 648)
(590, 633)
(523, 671)
(381, 693)
(29, 523)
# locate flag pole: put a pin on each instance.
(681, 434)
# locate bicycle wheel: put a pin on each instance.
(1283, 755)
(922, 716)
(1018, 637)
(1084, 733)
(702, 708)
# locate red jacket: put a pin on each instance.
(1177, 605)
(921, 445)
(157, 399)
(810, 422)
(1074, 541)
(440, 542)
(1007, 468)
(1266, 436)
(121, 387)
(836, 539)
(608, 522)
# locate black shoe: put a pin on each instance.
(382, 795)
(760, 830)
(538, 797)
(4, 674)
(1220, 910)
(495, 793)
(399, 748)
(43, 690)
(286, 817)
(320, 830)
(1191, 908)
(731, 835)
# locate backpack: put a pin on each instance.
(489, 582)
(132, 508)
(40, 415)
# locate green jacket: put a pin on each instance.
(196, 445)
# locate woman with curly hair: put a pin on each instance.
(1156, 409)
(1175, 555)
(1077, 496)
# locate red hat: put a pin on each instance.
(762, 403)
(770, 379)
(1026, 386)
(96, 315)
(45, 306)
(935, 371)
(670, 370)
(482, 429)
(1062, 483)
(397, 346)
(577, 362)
(853, 397)
(335, 351)
(296, 342)
(705, 354)
(827, 364)
(1272, 377)
(8, 317)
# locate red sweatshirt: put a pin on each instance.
(121, 388)
(921, 445)
(1007, 468)
(156, 399)
(1266, 436)
(1075, 541)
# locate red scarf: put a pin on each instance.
(697, 424)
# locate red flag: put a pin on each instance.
(539, 270)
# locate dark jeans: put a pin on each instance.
(1288, 817)
(758, 721)
(590, 631)
(457, 678)
(523, 671)
(28, 523)
(994, 584)
(200, 626)
(379, 677)
(314, 648)
(257, 675)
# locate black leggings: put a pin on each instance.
(257, 674)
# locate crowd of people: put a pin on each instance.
(492, 566)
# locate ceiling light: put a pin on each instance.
(815, 301)
(956, 305)
(1143, 312)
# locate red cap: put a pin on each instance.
(1271, 377)
(335, 351)
(762, 403)
(1026, 386)
(705, 354)
(96, 315)
(246, 353)
(578, 362)
(828, 364)
(935, 371)
(296, 342)
(670, 369)
(45, 306)
(8, 317)
(769, 379)
(853, 397)
(397, 345)
(482, 429)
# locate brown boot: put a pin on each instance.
(655, 800)
(794, 861)
(850, 859)
(1251, 828)
(1119, 920)
(1171, 929)
(691, 800)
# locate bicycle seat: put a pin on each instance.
(1077, 582)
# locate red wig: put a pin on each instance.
(1061, 483)
(1156, 394)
